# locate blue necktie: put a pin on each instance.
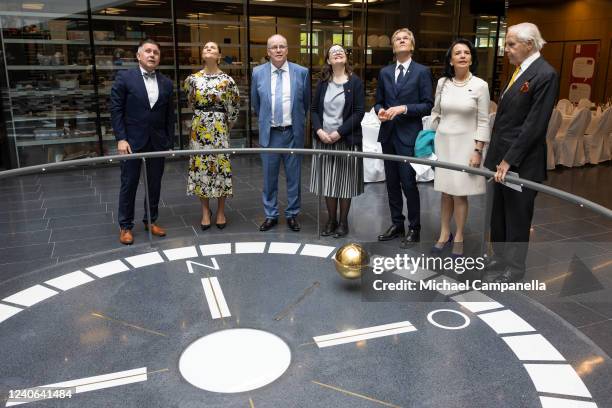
(401, 74)
(278, 98)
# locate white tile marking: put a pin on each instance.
(321, 251)
(216, 249)
(250, 247)
(210, 299)
(31, 296)
(557, 379)
(147, 259)
(97, 382)
(214, 298)
(551, 402)
(533, 347)
(220, 298)
(7, 311)
(476, 302)
(506, 321)
(283, 248)
(352, 336)
(108, 268)
(181, 253)
(69, 280)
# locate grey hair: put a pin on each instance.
(526, 32)
(148, 41)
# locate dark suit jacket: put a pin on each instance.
(352, 113)
(132, 117)
(519, 131)
(415, 91)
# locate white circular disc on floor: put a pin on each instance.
(235, 360)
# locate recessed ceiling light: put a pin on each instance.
(363, 1)
(338, 5)
(32, 6)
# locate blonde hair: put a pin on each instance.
(410, 37)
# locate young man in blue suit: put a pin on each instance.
(280, 93)
(403, 96)
(142, 115)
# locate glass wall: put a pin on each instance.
(59, 58)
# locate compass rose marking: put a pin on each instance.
(354, 394)
(216, 249)
(533, 347)
(214, 298)
(506, 321)
(30, 296)
(321, 251)
(283, 248)
(69, 280)
(147, 259)
(181, 253)
(108, 268)
(250, 247)
(352, 336)
(7, 311)
(557, 379)
(551, 402)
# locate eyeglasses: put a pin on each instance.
(278, 47)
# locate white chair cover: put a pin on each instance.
(373, 169)
(584, 103)
(596, 145)
(551, 132)
(569, 146)
(565, 106)
(492, 107)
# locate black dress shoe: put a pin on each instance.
(206, 226)
(221, 225)
(293, 224)
(510, 275)
(329, 229)
(412, 237)
(392, 232)
(342, 230)
(268, 224)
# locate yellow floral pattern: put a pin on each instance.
(215, 101)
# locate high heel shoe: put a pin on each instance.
(457, 251)
(206, 226)
(221, 225)
(437, 250)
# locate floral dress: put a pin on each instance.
(215, 101)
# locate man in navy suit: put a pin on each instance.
(280, 92)
(403, 96)
(142, 115)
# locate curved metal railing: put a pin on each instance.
(45, 168)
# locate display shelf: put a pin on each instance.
(45, 41)
(56, 116)
(61, 140)
(56, 92)
(48, 67)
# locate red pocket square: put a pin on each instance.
(525, 87)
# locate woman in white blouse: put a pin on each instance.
(461, 119)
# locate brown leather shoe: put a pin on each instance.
(126, 237)
(156, 230)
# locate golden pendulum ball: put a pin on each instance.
(350, 260)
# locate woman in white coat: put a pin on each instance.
(461, 119)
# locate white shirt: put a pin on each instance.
(525, 64)
(406, 65)
(286, 93)
(152, 88)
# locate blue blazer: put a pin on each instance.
(132, 117)
(261, 98)
(352, 112)
(415, 91)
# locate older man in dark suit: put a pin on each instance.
(518, 143)
(142, 115)
(403, 96)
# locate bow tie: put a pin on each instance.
(149, 75)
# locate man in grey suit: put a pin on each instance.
(518, 143)
(280, 93)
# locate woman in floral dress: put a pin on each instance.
(215, 100)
